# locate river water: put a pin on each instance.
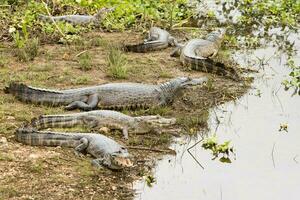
(267, 161)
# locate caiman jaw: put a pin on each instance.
(194, 81)
(121, 162)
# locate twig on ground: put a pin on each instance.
(53, 21)
(296, 161)
(193, 155)
(273, 154)
(82, 52)
(170, 151)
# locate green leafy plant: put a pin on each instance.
(294, 77)
(224, 149)
(138, 14)
(283, 127)
(25, 49)
(150, 180)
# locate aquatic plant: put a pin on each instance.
(225, 149)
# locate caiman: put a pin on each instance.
(106, 151)
(79, 19)
(104, 118)
(106, 96)
(198, 53)
(157, 39)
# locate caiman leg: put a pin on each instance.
(175, 52)
(214, 54)
(98, 163)
(93, 122)
(92, 103)
(152, 37)
(84, 143)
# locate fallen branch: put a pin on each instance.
(273, 154)
(170, 151)
(295, 159)
(53, 21)
(82, 52)
(193, 155)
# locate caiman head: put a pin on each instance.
(170, 88)
(217, 36)
(103, 11)
(119, 159)
(150, 123)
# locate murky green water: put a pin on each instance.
(267, 164)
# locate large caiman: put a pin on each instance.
(78, 19)
(104, 118)
(157, 39)
(106, 151)
(106, 96)
(198, 54)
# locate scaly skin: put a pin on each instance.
(157, 39)
(197, 54)
(103, 118)
(106, 96)
(79, 19)
(106, 151)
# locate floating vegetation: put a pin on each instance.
(150, 180)
(218, 150)
(283, 127)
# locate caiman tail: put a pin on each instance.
(209, 66)
(145, 47)
(59, 121)
(44, 17)
(35, 95)
(36, 138)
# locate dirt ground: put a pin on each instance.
(56, 173)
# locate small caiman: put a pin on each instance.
(157, 39)
(79, 19)
(106, 151)
(106, 96)
(198, 53)
(104, 118)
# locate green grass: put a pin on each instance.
(41, 68)
(28, 51)
(8, 192)
(97, 42)
(81, 80)
(116, 63)
(85, 61)
(36, 167)
(3, 61)
(7, 157)
(192, 124)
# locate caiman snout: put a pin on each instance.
(195, 81)
(123, 162)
